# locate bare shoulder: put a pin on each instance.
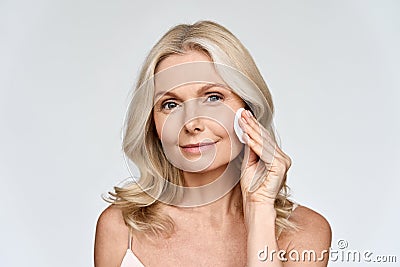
(314, 234)
(310, 221)
(111, 241)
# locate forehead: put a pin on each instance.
(178, 70)
(177, 59)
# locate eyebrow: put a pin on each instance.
(199, 91)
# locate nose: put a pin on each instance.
(193, 126)
(192, 118)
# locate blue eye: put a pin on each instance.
(166, 105)
(213, 96)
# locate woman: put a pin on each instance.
(207, 195)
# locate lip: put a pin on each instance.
(198, 144)
(198, 148)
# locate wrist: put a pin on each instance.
(250, 199)
(259, 213)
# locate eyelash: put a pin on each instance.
(212, 94)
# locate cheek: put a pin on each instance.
(223, 127)
(167, 129)
(231, 141)
(224, 119)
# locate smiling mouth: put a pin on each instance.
(198, 144)
(197, 148)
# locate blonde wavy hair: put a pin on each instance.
(139, 201)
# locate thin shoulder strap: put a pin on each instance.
(130, 238)
(295, 205)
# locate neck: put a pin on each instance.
(215, 191)
(229, 204)
(198, 179)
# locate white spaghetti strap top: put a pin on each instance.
(130, 259)
(295, 205)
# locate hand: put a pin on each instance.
(264, 165)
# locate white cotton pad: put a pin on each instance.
(236, 126)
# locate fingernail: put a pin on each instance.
(248, 113)
(243, 120)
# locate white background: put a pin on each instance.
(67, 68)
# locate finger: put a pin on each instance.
(255, 129)
(283, 157)
(261, 145)
(252, 121)
(254, 133)
(259, 135)
(249, 157)
(259, 176)
(265, 150)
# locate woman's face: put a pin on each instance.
(194, 118)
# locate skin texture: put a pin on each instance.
(231, 230)
(191, 128)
